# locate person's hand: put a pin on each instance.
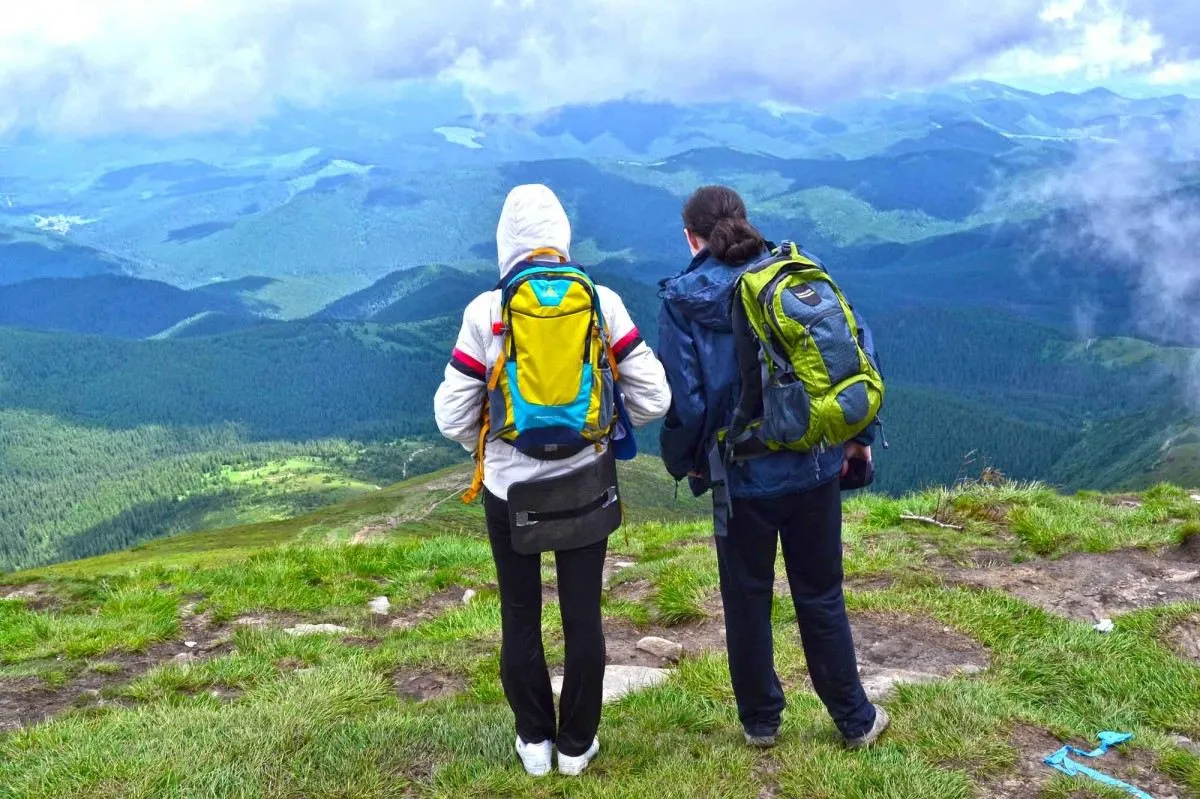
(855, 450)
(696, 474)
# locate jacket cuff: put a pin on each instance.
(867, 437)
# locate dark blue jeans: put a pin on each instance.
(809, 524)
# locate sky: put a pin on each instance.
(80, 68)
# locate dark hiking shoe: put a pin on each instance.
(762, 741)
(882, 720)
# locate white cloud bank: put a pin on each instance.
(81, 67)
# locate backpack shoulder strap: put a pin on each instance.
(749, 369)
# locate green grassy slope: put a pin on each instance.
(415, 708)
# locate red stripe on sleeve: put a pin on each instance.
(471, 365)
(627, 343)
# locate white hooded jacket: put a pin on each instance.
(533, 219)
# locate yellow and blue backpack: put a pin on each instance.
(551, 390)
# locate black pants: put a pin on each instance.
(523, 668)
(810, 527)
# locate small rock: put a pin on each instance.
(1195, 497)
(1182, 577)
(620, 681)
(623, 564)
(1183, 742)
(316, 629)
(661, 647)
(216, 643)
(469, 596)
(380, 606)
(251, 621)
(1105, 626)
(190, 644)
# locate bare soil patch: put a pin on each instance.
(426, 610)
(1185, 638)
(424, 686)
(621, 639)
(613, 564)
(766, 772)
(1030, 775)
(30, 700)
(26, 701)
(35, 596)
(896, 650)
(913, 643)
(1089, 587)
(632, 591)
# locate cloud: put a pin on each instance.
(1141, 218)
(80, 67)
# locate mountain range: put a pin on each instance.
(233, 301)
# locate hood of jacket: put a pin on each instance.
(704, 292)
(533, 219)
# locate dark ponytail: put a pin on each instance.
(718, 215)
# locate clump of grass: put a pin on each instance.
(680, 592)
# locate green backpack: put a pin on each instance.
(800, 358)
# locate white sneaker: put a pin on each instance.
(574, 766)
(536, 758)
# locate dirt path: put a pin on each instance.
(1089, 588)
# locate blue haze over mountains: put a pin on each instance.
(993, 237)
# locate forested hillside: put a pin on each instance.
(109, 305)
(109, 442)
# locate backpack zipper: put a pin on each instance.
(808, 329)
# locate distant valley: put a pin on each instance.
(231, 328)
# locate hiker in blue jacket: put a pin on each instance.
(789, 496)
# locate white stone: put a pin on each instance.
(661, 647)
(380, 606)
(251, 621)
(1195, 497)
(190, 644)
(881, 684)
(1105, 626)
(627, 564)
(1182, 577)
(468, 596)
(1183, 742)
(620, 681)
(316, 629)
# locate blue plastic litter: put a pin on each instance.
(1061, 761)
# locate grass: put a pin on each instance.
(322, 716)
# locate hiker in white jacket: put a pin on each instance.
(534, 228)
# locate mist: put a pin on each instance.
(1135, 211)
